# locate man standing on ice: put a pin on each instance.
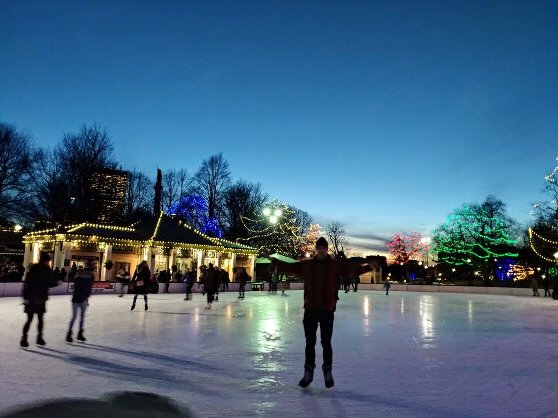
(320, 276)
(35, 294)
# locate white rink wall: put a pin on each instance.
(14, 289)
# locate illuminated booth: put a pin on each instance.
(163, 241)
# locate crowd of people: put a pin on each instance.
(11, 272)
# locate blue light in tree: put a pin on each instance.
(503, 268)
(211, 228)
(193, 209)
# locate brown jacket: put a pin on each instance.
(321, 280)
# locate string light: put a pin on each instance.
(471, 233)
(98, 238)
(274, 229)
(532, 233)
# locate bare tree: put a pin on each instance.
(303, 221)
(176, 185)
(337, 236)
(49, 190)
(139, 196)
(15, 164)
(545, 212)
(211, 181)
(240, 200)
(79, 155)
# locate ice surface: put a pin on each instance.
(403, 355)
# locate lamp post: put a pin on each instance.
(425, 241)
(272, 215)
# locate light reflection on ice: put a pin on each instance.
(425, 314)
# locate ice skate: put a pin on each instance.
(80, 336)
(328, 377)
(69, 338)
(40, 340)
(146, 306)
(23, 343)
(307, 378)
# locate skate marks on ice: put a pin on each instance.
(123, 404)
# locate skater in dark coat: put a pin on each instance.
(546, 285)
(80, 301)
(320, 276)
(242, 277)
(190, 279)
(141, 281)
(224, 274)
(535, 286)
(387, 285)
(35, 294)
(210, 284)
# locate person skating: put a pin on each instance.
(210, 284)
(535, 286)
(387, 285)
(242, 277)
(124, 284)
(190, 279)
(320, 276)
(283, 284)
(83, 283)
(224, 275)
(35, 294)
(546, 285)
(140, 281)
(354, 282)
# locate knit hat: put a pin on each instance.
(321, 242)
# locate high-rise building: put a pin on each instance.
(108, 196)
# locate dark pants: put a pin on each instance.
(311, 320)
(189, 290)
(210, 296)
(547, 292)
(136, 296)
(241, 290)
(28, 323)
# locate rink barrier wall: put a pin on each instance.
(14, 289)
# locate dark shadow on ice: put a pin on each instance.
(48, 352)
(390, 402)
(123, 404)
(154, 356)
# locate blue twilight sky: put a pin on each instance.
(386, 115)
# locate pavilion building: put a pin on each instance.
(162, 240)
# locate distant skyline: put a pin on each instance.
(384, 115)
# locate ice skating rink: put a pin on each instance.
(403, 355)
